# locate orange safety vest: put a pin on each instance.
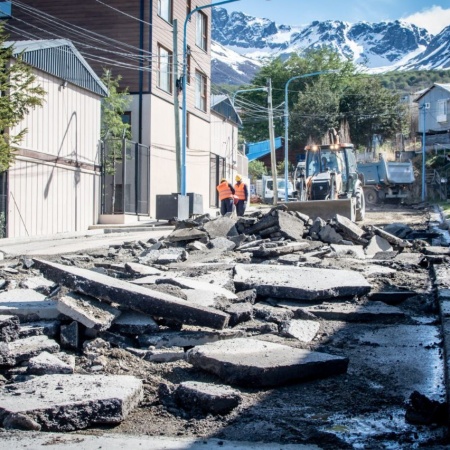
(240, 190)
(224, 191)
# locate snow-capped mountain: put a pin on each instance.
(242, 43)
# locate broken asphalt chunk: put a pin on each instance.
(71, 402)
(148, 301)
(261, 364)
(303, 283)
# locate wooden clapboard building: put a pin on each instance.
(135, 39)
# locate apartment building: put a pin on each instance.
(135, 39)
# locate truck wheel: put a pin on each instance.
(360, 206)
(371, 196)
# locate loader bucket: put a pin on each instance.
(326, 209)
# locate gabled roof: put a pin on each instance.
(222, 105)
(60, 58)
(445, 86)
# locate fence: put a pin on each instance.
(125, 177)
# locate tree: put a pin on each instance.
(113, 129)
(256, 169)
(19, 94)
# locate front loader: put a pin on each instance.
(329, 184)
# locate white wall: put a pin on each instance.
(53, 187)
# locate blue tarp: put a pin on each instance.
(258, 149)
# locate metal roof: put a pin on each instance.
(60, 58)
(221, 104)
(445, 86)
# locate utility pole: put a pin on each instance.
(273, 158)
(176, 105)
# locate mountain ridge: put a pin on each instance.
(242, 44)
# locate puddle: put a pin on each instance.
(387, 430)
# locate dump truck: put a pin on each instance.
(386, 180)
(328, 183)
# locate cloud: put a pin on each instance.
(434, 19)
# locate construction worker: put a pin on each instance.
(242, 194)
(226, 193)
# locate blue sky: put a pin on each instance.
(433, 15)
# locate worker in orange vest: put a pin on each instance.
(226, 195)
(242, 193)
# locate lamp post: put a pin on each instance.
(286, 124)
(184, 112)
(246, 90)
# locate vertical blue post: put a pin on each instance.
(423, 154)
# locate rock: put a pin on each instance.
(208, 398)
(330, 235)
(260, 364)
(134, 323)
(377, 244)
(272, 314)
(9, 328)
(46, 363)
(221, 227)
(28, 305)
(222, 243)
(71, 402)
(303, 283)
(303, 330)
(70, 336)
(239, 312)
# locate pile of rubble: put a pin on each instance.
(227, 296)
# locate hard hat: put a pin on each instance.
(238, 177)
(223, 179)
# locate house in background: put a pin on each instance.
(226, 159)
(434, 116)
(135, 39)
(54, 184)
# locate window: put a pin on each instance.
(126, 117)
(200, 91)
(164, 72)
(165, 10)
(442, 110)
(201, 31)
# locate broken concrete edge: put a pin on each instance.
(126, 294)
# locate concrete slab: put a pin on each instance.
(88, 311)
(28, 305)
(138, 298)
(24, 349)
(50, 328)
(72, 402)
(260, 364)
(300, 283)
(303, 330)
(349, 228)
(209, 398)
(46, 364)
(187, 234)
(141, 269)
(38, 284)
(187, 338)
(351, 312)
(350, 251)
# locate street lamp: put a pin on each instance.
(247, 90)
(286, 124)
(183, 124)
